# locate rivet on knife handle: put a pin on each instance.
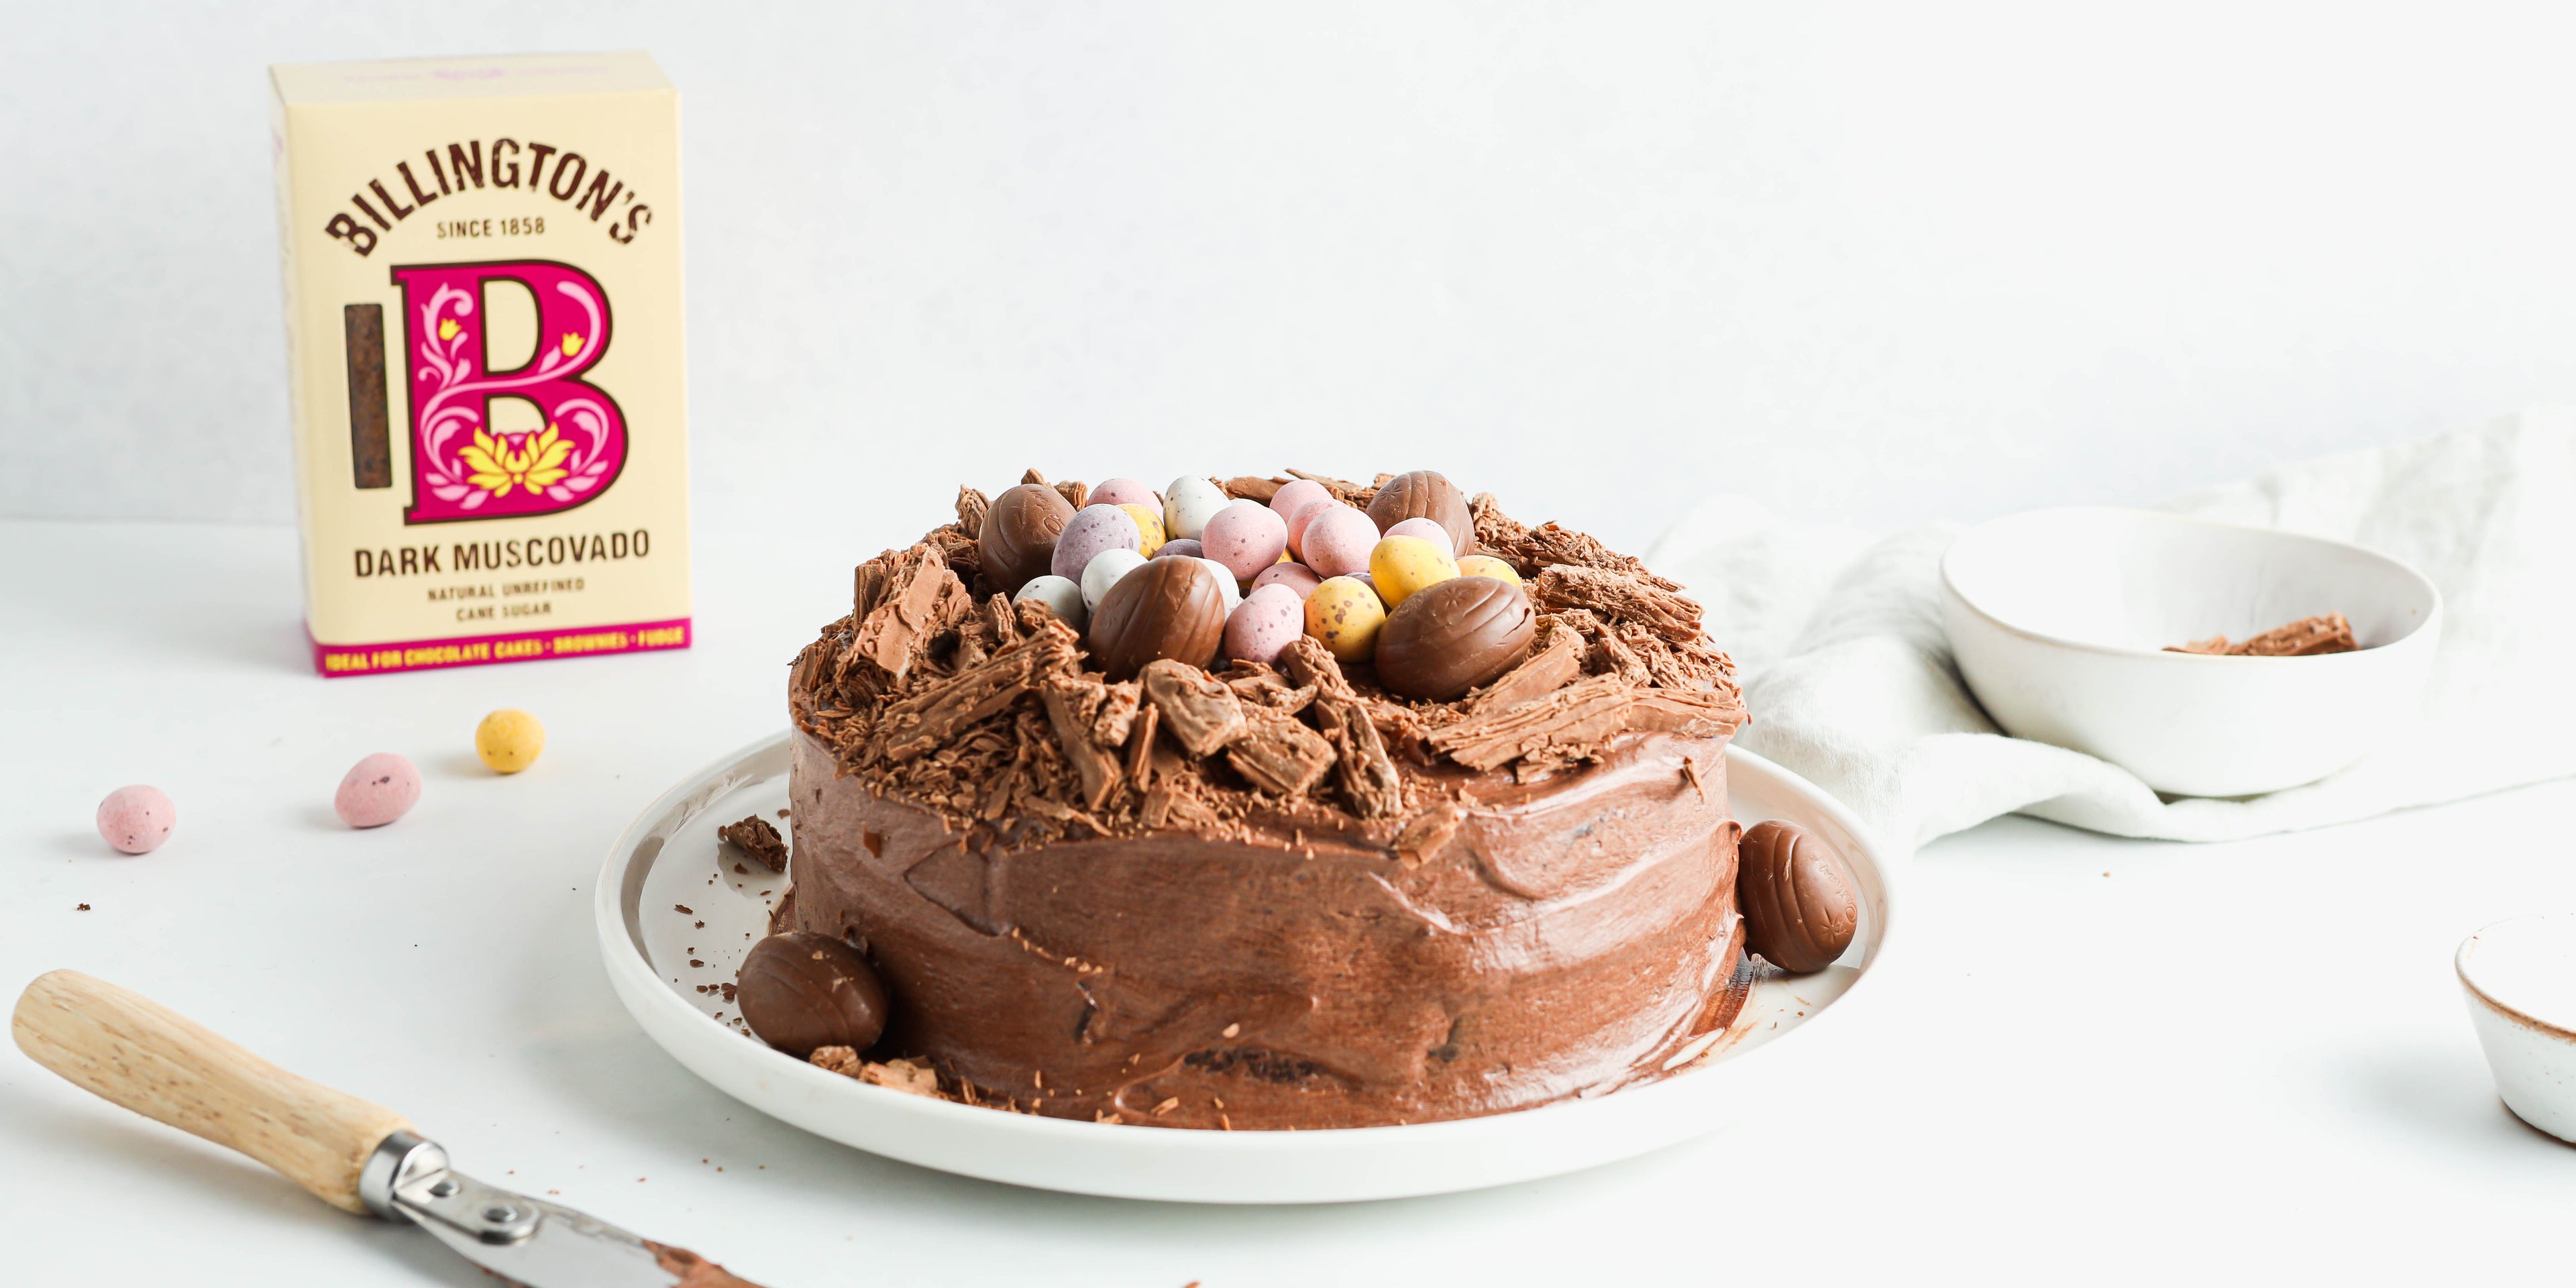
(158, 1063)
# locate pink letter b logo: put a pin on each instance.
(462, 467)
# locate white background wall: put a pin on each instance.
(1874, 263)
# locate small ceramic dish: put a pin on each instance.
(2060, 618)
(2520, 977)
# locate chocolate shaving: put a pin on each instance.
(1250, 488)
(1072, 703)
(1619, 596)
(927, 720)
(1074, 491)
(1555, 663)
(1277, 754)
(2306, 637)
(1530, 550)
(1200, 713)
(1140, 747)
(1427, 833)
(754, 836)
(1364, 773)
(1576, 722)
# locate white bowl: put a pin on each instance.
(2059, 620)
(1784, 1053)
(2520, 976)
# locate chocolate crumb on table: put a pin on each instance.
(754, 836)
(2306, 637)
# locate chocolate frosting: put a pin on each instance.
(1549, 939)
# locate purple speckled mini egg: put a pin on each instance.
(1288, 500)
(1125, 491)
(1093, 529)
(1185, 547)
(377, 790)
(1427, 529)
(1338, 542)
(1246, 537)
(1295, 576)
(1267, 622)
(136, 819)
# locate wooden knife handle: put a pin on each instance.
(158, 1063)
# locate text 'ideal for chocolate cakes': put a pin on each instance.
(1260, 804)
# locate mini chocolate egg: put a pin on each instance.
(1020, 527)
(1488, 566)
(1796, 894)
(1423, 528)
(1295, 576)
(1425, 494)
(1092, 529)
(136, 819)
(1149, 522)
(1062, 596)
(1338, 542)
(1189, 503)
(377, 790)
(1345, 616)
(1181, 548)
(801, 990)
(1169, 608)
(1454, 636)
(1127, 491)
(1233, 586)
(1297, 523)
(1104, 571)
(1292, 495)
(1268, 621)
(1399, 566)
(509, 740)
(1246, 537)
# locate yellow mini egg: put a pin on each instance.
(1403, 565)
(1487, 566)
(1149, 525)
(508, 740)
(1345, 614)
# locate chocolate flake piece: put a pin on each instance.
(1619, 596)
(1140, 747)
(1200, 713)
(1363, 771)
(1577, 721)
(971, 506)
(914, 600)
(1250, 488)
(1117, 714)
(1070, 701)
(1259, 685)
(2306, 637)
(1278, 754)
(1555, 664)
(927, 720)
(754, 836)
(1426, 834)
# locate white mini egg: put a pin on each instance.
(1103, 572)
(1225, 578)
(1189, 503)
(1061, 597)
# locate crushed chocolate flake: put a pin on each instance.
(1198, 710)
(754, 836)
(2306, 637)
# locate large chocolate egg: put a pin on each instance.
(1168, 608)
(1454, 635)
(800, 990)
(1020, 529)
(1424, 494)
(1796, 898)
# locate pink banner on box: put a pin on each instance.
(336, 660)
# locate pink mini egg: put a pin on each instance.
(1338, 542)
(1295, 496)
(1297, 522)
(1185, 547)
(136, 819)
(1267, 622)
(377, 790)
(1093, 529)
(1124, 492)
(1295, 576)
(1427, 529)
(1246, 537)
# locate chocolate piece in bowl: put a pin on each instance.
(1799, 911)
(1454, 635)
(799, 991)
(1425, 494)
(1019, 532)
(2306, 637)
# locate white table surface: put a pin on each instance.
(2115, 1061)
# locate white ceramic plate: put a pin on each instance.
(668, 859)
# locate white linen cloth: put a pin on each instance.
(1850, 681)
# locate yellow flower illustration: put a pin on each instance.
(535, 464)
(571, 343)
(447, 328)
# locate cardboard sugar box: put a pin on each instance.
(483, 314)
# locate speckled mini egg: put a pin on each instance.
(1233, 588)
(136, 819)
(1061, 595)
(509, 740)
(1149, 523)
(1189, 503)
(1103, 572)
(377, 790)
(1246, 537)
(1268, 621)
(1345, 615)
(1180, 548)
(1295, 495)
(1126, 491)
(1488, 566)
(1423, 528)
(1295, 576)
(1338, 542)
(1399, 566)
(1092, 529)
(1297, 522)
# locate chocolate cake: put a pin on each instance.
(1272, 894)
